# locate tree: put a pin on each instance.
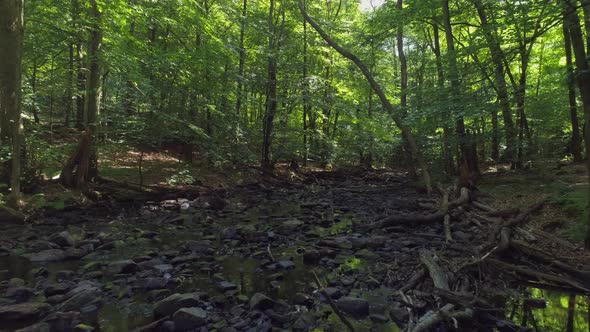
(11, 49)
(406, 131)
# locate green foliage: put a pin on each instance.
(181, 178)
(574, 200)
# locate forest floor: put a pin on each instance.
(240, 252)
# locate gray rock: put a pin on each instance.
(23, 311)
(63, 239)
(354, 306)
(311, 257)
(333, 292)
(125, 266)
(286, 265)
(81, 296)
(64, 275)
(301, 299)
(163, 268)
(197, 247)
(41, 245)
(225, 286)
(288, 227)
(260, 301)
(187, 319)
(54, 289)
(172, 303)
(20, 294)
(10, 215)
(50, 255)
(39, 327)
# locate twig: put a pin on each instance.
(332, 304)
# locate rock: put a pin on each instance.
(260, 301)
(168, 326)
(62, 239)
(153, 283)
(16, 313)
(353, 306)
(461, 235)
(301, 299)
(20, 294)
(163, 268)
(186, 259)
(187, 319)
(50, 255)
(40, 245)
(11, 216)
(311, 257)
(82, 296)
(172, 303)
(333, 293)
(379, 318)
(39, 327)
(229, 233)
(305, 322)
(225, 286)
(197, 247)
(288, 227)
(287, 265)
(64, 275)
(54, 289)
(125, 266)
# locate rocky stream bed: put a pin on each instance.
(327, 252)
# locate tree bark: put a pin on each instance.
(583, 81)
(406, 132)
(500, 80)
(575, 146)
(271, 94)
(242, 60)
(11, 50)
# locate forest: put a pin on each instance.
(294, 165)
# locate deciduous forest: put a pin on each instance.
(294, 165)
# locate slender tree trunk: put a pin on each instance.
(495, 154)
(403, 61)
(500, 80)
(69, 90)
(571, 313)
(576, 140)
(406, 131)
(11, 50)
(34, 88)
(447, 132)
(242, 60)
(92, 92)
(306, 103)
(583, 81)
(271, 96)
(455, 97)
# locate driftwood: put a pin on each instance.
(432, 318)
(437, 275)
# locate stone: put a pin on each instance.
(197, 247)
(20, 294)
(311, 257)
(40, 245)
(11, 216)
(379, 318)
(260, 301)
(287, 265)
(39, 327)
(333, 292)
(54, 289)
(172, 303)
(62, 239)
(126, 266)
(168, 326)
(83, 328)
(50, 255)
(301, 299)
(81, 296)
(225, 286)
(187, 319)
(288, 227)
(163, 268)
(64, 275)
(20, 312)
(229, 233)
(354, 306)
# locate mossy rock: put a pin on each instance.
(10, 215)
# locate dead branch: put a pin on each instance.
(432, 318)
(437, 275)
(332, 304)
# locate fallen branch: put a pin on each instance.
(332, 304)
(432, 318)
(437, 275)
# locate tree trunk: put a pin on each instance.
(583, 81)
(11, 50)
(575, 146)
(571, 311)
(406, 132)
(500, 80)
(242, 59)
(271, 94)
(306, 104)
(455, 97)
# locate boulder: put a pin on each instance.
(20, 294)
(10, 215)
(39, 327)
(354, 306)
(125, 266)
(16, 313)
(172, 303)
(63, 239)
(82, 296)
(225, 286)
(288, 227)
(261, 302)
(188, 319)
(50, 255)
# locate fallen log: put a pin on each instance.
(436, 273)
(432, 318)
